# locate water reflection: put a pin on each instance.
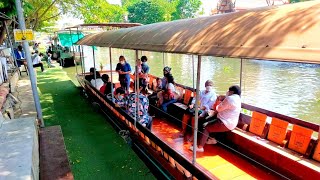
(292, 89)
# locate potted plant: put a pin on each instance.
(101, 66)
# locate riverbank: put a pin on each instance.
(94, 149)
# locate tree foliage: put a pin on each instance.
(98, 11)
(186, 9)
(145, 12)
(7, 7)
(151, 11)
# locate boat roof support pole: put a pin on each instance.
(11, 45)
(79, 50)
(137, 91)
(163, 60)
(82, 61)
(195, 130)
(241, 68)
(192, 71)
(29, 64)
(74, 58)
(110, 56)
(94, 66)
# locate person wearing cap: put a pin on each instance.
(143, 115)
(225, 119)
(124, 70)
(36, 60)
(207, 99)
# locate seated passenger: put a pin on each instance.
(168, 96)
(91, 75)
(156, 88)
(106, 88)
(226, 119)
(143, 116)
(119, 98)
(97, 83)
(166, 72)
(207, 99)
(144, 69)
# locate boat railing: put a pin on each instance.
(246, 119)
(173, 157)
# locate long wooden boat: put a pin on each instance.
(70, 35)
(257, 148)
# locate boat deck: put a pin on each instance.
(216, 159)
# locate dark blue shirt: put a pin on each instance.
(125, 68)
(145, 68)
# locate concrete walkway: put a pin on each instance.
(19, 150)
(26, 106)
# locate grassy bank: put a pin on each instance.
(95, 150)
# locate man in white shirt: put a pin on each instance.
(36, 60)
(207, 99)
(227, 118)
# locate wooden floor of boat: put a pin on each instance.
(221, 162)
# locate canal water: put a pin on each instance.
(292, 89)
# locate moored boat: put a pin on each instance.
(263, 145)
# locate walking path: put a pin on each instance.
(94, 148)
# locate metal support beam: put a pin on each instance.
(94, 66)
(192, 71)
(83, 63)
(241, 66)
(137, 91)
(29, 64)
(195, 130)
(111, 76)
(74, 57)
(163, 64)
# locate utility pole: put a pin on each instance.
(25, 44)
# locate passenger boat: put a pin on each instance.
(257, 148)
(68, 53)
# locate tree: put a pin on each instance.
(41, 13)
(98, 11)
(186, 9)
(146, 12)
(8, 10)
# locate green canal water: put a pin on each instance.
(291, 89)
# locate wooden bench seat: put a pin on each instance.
(286, 151)
(273, 155)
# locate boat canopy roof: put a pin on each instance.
(117, 25)
(67, 39)
(282, 33)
